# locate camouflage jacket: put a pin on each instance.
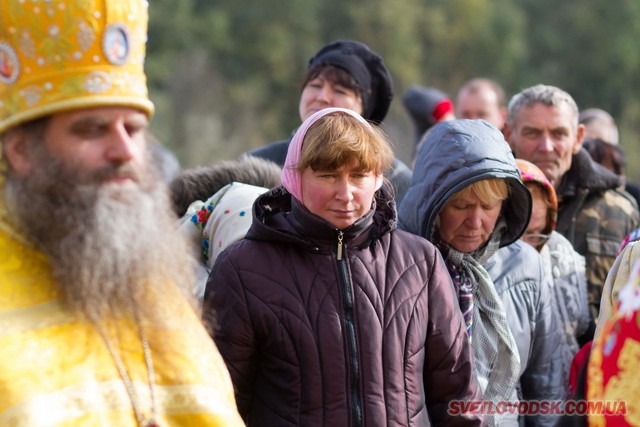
(595, 215)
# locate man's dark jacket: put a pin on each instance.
(595, 215)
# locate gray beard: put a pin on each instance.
(108, 244)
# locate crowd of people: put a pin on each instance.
(314, 281)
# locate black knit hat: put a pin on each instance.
(367, 69)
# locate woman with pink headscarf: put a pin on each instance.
(326, 314)
(563, 266)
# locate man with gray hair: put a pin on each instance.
(594, 213)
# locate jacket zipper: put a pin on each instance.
(352, 348)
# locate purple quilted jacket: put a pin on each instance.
(317, 333)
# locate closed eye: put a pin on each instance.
(460, 207)
(490, 207)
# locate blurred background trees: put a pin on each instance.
(225, 75)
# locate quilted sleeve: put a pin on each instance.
(227, 314)
(543, 379)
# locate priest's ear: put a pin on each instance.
(17, 145)
(15, 152)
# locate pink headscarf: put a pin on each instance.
(530, 173)
(290, 177)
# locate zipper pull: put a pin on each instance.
(339, 251)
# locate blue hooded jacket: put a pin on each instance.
(454, 155)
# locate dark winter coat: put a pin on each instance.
(318, 333)
(595, 215)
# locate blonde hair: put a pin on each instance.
(488, 190)
(336, 139)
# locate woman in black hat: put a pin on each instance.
(346, 74)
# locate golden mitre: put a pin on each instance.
(61, 55)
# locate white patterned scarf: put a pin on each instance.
(496, 357)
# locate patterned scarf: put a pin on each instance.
(465, 287)
(496, 357)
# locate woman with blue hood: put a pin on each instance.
(467, 198)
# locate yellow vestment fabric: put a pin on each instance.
(55, 369)
(612, 375)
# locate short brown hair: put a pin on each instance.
(337, 138)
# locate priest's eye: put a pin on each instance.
(89, 129)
